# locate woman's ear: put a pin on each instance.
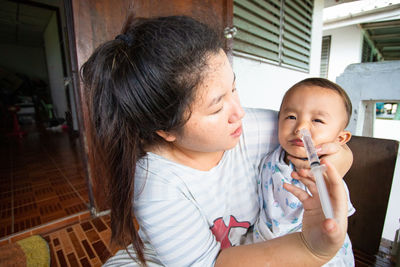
(166, 136)
(344, 137)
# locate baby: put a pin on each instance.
(323, 108)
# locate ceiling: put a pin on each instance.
(23, 23)
(386, 37)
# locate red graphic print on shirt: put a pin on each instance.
(225, 233)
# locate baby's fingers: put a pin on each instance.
(298, 192)
(308, 181)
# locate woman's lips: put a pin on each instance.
(297, 142)
(237, 132)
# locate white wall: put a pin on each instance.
(378, 81)
(55, 68)
(263, 84)
(346, 48)
(24, 59)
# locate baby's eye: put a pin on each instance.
(318, 120)
(291, 117)
(234, 89)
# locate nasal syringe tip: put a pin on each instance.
(305, 132)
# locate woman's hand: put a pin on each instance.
(340, 156)
(323, 237)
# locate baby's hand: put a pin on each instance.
(323, 237)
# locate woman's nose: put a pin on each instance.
(237, 112)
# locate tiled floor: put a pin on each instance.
(42, 183)
(88, 244)
(41, 180)
(82, 244)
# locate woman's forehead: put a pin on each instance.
(217, 77)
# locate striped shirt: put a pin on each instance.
(187, 216)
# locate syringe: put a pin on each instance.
(317, 170)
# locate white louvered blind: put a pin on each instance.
(276, 30)
(325, 51)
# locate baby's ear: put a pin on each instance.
(344, 137)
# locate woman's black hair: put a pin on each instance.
(141, 82)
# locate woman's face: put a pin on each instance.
(215, 123)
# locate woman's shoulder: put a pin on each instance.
(156, 175)
(260, 132)
(158, 168)
(261, 121)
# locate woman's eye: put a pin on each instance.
(291, 117)
(215, 112)
(234, 89)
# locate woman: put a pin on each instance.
(182, 158)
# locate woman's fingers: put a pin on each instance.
(340, 156)
(334, 185)
(324, 236)
(333, 177)
(337, 192)
(299, 163)
(328, 148)
(305, 173)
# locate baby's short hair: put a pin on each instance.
(325, 83)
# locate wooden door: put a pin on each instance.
(92, 22)
(218, 14)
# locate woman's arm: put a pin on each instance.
(288, 250)
(319, 240)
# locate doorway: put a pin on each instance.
(42, 177)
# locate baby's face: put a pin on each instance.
(319, 110)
